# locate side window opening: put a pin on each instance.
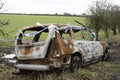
(36, 38)
(79, 36)
(66, 36)
(43, 36)
(88, 35)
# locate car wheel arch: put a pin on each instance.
(79, 54)
(77, 63)
(106, 55)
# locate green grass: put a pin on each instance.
(97, 71)
(20, 21)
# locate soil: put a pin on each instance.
(4, 50)
(115, 59)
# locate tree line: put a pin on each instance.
(104, 16)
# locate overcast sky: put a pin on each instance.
(49, 6)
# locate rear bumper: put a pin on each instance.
(32, 67)
(11, 61)
(37, 67)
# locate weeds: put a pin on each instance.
(97, 71)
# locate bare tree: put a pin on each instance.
(115, 18)
(97, 11)
(107, 19)
(1, 4)
(2, 23)
(105, 16)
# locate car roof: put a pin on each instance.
(39, 27)
(61, 27)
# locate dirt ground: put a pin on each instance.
(114, 59)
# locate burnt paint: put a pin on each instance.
(26, 51)
(63, 46)
(105, 45)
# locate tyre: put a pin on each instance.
(105, 56)
(75, 63)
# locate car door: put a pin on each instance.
(82, 43)
(94, 47)
(86, 47)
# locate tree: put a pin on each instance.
(106, 19)
(2, 23)
(115, 18)
(97, 12)
(66, 14)
(105, 16)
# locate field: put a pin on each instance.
(19, 21)
(103, 70)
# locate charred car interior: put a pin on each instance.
(56, 46)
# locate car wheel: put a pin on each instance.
(75, 63)
(106, 56)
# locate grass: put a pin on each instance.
(20, 21)
(97, 71)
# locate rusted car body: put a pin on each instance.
(65, 46)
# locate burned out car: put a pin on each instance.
(56, 46)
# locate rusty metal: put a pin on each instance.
(55, 51)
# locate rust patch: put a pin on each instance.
(55, 48)
(70, 43)
(26, 51)
(72, 34)
(105, 45)
(45, 25)
(35, 61)
(63, 46)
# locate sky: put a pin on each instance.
(49, 6)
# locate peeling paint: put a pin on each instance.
(55, 51)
